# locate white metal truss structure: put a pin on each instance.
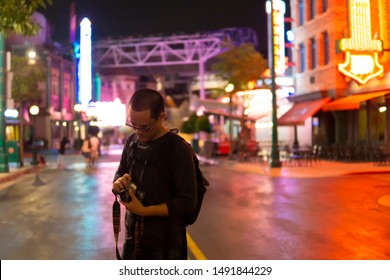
(177, 54)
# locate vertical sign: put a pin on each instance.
(279, 9)
(361, 51)
(72, 24)
(85, 63)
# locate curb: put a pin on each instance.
(18, 173)
(368, 172)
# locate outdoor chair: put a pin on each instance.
(379, 157)
(315, 155)
(298, 157)
(349, 153)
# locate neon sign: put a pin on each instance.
(85, 63)
(361, 51)
(279, 9)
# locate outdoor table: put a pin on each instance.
(301, 155)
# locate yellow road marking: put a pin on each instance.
(195, 249)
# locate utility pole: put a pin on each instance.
(229, 89)
(4, 168)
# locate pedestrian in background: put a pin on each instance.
(95, 150)
(166, 184)
(61, 152)
(86, 151)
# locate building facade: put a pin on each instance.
(341, 71)
(56, 104)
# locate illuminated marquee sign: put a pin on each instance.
(361, 51)
(98, 111)
(279, 9)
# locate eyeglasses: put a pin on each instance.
(141, 128)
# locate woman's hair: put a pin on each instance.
(147, 99)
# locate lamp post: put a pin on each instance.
(4, 168)
(229, 89)
(78, 108)
(34, 110)
(275, 157)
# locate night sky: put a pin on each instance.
(121, 18)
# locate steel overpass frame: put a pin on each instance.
(182, 54)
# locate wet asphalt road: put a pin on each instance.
(66, 214)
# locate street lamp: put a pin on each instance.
(229, 89)
(31, 55)
(78, 108)
(34, 110)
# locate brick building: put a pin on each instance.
(342, 72)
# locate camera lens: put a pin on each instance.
(125, 196)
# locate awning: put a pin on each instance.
(352, 102)
(298, 114)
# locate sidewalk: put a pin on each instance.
(15, 171)
(323, 168)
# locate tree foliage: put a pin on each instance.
(189, 126)
(239, 65)
(28, 79)
(15, 16)
(203, 124)
(195, 124)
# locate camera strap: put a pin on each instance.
(116, 220)
(116, 207)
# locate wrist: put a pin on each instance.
(144, 211)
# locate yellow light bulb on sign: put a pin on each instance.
(361, 51)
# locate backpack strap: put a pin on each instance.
(133, 143)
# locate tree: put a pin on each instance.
(189, 125)
(195, 124)
(203, 124)
(15, 16)
(240, 65)
(28, 80)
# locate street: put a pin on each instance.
(66, 215)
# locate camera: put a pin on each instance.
(124, 194)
